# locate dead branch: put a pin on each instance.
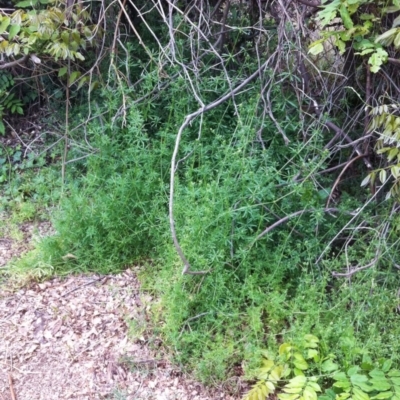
(12, 391)
(355, 269)
(295, 214)
(189, 118)
(340, 176)
(14, 63)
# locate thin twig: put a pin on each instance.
(85, 284)
(295, 214)
(65, 154)
(14, 63)
(12, 391)
(340, 176)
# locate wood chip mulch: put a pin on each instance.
(69, 339)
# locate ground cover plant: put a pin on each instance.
(203, 150)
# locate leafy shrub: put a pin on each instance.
(296, 371)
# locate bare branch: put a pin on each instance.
(14, 63)
(290, 216)
(189, 118)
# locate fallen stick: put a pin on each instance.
(10, 382)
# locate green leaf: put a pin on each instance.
(316, 48)
(292, 390)
(14, 30)
(2, 128)
(309, 393)
(287, 396)
(380, 384)
(345, 15)
(388, 363)
(314, 386)
(340, 376)
(301, 365)
(366, 180)
(297, 382)
(382, 175)
(26, 3)
(312, 353)
(4, 24)
(361, 382)
(342, 384)
(353, 370)
(285, 348)
(383, 395)
(62, 71)
(73, 77)
(377, 373)
(311, 340)
(329, 366)
(358, 394)
(79, 56)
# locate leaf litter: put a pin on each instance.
(68, 338)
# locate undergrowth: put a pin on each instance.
(261, 290)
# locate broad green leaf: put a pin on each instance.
(292, 390)
(382, 175)
(311, 339)
(377, 373)
(329, 12)
(14, 30)
(343, 396)
(361, 382)
(2, 128)
(394, 372)
(366, 180)
(347, 21)
(26, 3)
(314, 386)
(4, 24)
(340, 376)
(301, 365)
(309, 393)
(381, 385)
(276, 373)
(73, 77)
(62, 71)
(316, 49)
(285, 348)
(297, 382)
(288, 396)
(329, 366)
(353, 370)
(79, 56)
(358, 394)
(270, 386)
(342, 384)
(383, 395)
(312, 353)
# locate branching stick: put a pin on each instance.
(189, 118)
